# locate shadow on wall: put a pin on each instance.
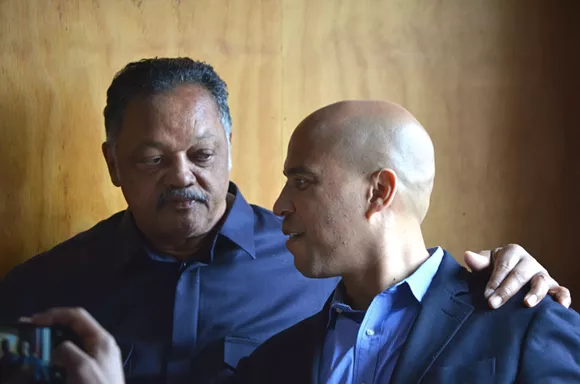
(538, 146)
(570, 76)
(506, 144)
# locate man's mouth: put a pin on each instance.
(181, 203)
(294, 235)
(180, 200)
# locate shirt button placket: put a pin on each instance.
(185, 320)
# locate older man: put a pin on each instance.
(190, 278)
(402, 313)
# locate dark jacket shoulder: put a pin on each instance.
(71, 253)
(287, 357)
(28, 286)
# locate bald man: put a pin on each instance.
(359, 179)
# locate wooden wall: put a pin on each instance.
(490, 79)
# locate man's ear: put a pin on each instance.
(111, 159)
(382, 191)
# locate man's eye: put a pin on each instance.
(204, 156)
(201, 156)
(300, 183)
(153, 160)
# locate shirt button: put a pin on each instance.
(370, 332)
(338, 310)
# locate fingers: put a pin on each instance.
(95, 339)
(476, 262)
(514, 267)
(540, 283)
(543, 284)
(503, 261)
(519, 275)
(102, 359)
(487, 253)
(79, 366)
(77, 319)
(561, 295)
(103, 366)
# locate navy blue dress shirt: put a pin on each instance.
(175, 321)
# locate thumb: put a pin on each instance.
(79, 367)
(476, 262)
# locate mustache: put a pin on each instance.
(182, 194)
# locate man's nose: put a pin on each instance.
(283, 206)
(181, 174)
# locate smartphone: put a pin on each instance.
(26, 352)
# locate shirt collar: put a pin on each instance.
(418, 284)
(239, 223)
(238, 228)
(420, 280)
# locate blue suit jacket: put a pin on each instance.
(456, 338)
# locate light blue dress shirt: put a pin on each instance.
(362, 347)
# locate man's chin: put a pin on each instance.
(310, 271)
(184, 225)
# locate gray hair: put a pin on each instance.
(152, 76)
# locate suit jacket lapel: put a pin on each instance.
(442, 314)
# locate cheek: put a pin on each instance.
(321, 226)
(141, 189)
(214, 182)
(340, 223)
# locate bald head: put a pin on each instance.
(367, 136)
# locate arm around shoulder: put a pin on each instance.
(551, 348)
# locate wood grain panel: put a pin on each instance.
(58, 59)
(482, 76)
(494, 81)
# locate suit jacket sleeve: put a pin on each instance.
(551, 347)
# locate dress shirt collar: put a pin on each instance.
(418, 283)
(238, 228)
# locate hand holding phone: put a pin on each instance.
(98, 360)
(26, 351)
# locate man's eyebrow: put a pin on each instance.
(205, 136)
(151, 144)
(298, 171)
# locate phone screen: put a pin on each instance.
(25, 354)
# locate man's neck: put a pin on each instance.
(189, 248)
(396, 261)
